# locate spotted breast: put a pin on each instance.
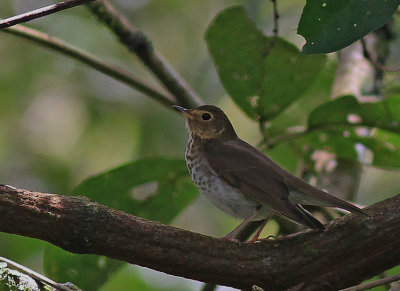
(224, 196)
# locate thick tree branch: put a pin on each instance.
(138, 43)
(352, 248)
(25, 17)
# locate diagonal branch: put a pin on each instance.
(135, 40)
(373, 284)
(352, 248)
(111, 70)
(138, 43)
(28, 16)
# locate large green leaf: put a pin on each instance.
(348, 111)
(330, 25)
(380, 149)
(263, 75)
(385, 148)
(130, 278)
(337, 126)
(334, 141)
(153, 188)
(88, 272)
(120, 188)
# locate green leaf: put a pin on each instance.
(88, 272)
(337, 125)
(153, 188)
(348, 111)
(127, 278)
(263, 75)
(380, 149)
(333, 141)
(284, 155)
(164, 182)
(130, 278)
(330, 25)
(385, 148)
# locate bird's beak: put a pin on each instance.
(179, 108)
(184, 111)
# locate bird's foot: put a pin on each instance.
(232, 239)
(256, 239)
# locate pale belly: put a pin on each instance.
(221, 194)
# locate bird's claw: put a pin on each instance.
(232, 239)
(254, 240)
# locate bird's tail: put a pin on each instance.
(297, 214)
(309, 220)
(307, 194)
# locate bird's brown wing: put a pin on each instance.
(241, 166)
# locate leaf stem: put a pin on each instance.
(276, 17)
(285, 137)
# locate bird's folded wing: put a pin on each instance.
(241, 167)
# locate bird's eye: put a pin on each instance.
(206, 116)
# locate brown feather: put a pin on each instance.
(256, 180)
(263, 180)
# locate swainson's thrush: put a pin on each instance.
(242, 181)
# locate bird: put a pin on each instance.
(243, 182)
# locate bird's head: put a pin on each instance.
(207, 122)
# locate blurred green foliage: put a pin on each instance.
(142, 187)
(89, 272)
(251, 66)
(341, 131)
(61, 122)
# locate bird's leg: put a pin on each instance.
(255, 238)
(230, 235)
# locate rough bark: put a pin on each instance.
(352, 248)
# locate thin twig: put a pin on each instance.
(274, 141)
(28, 16)
(263, 129)
(138, 43)
(286, 137)
(373, 284)
(114, 71)
(276, 17)
(274, 30)
(370, 56)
